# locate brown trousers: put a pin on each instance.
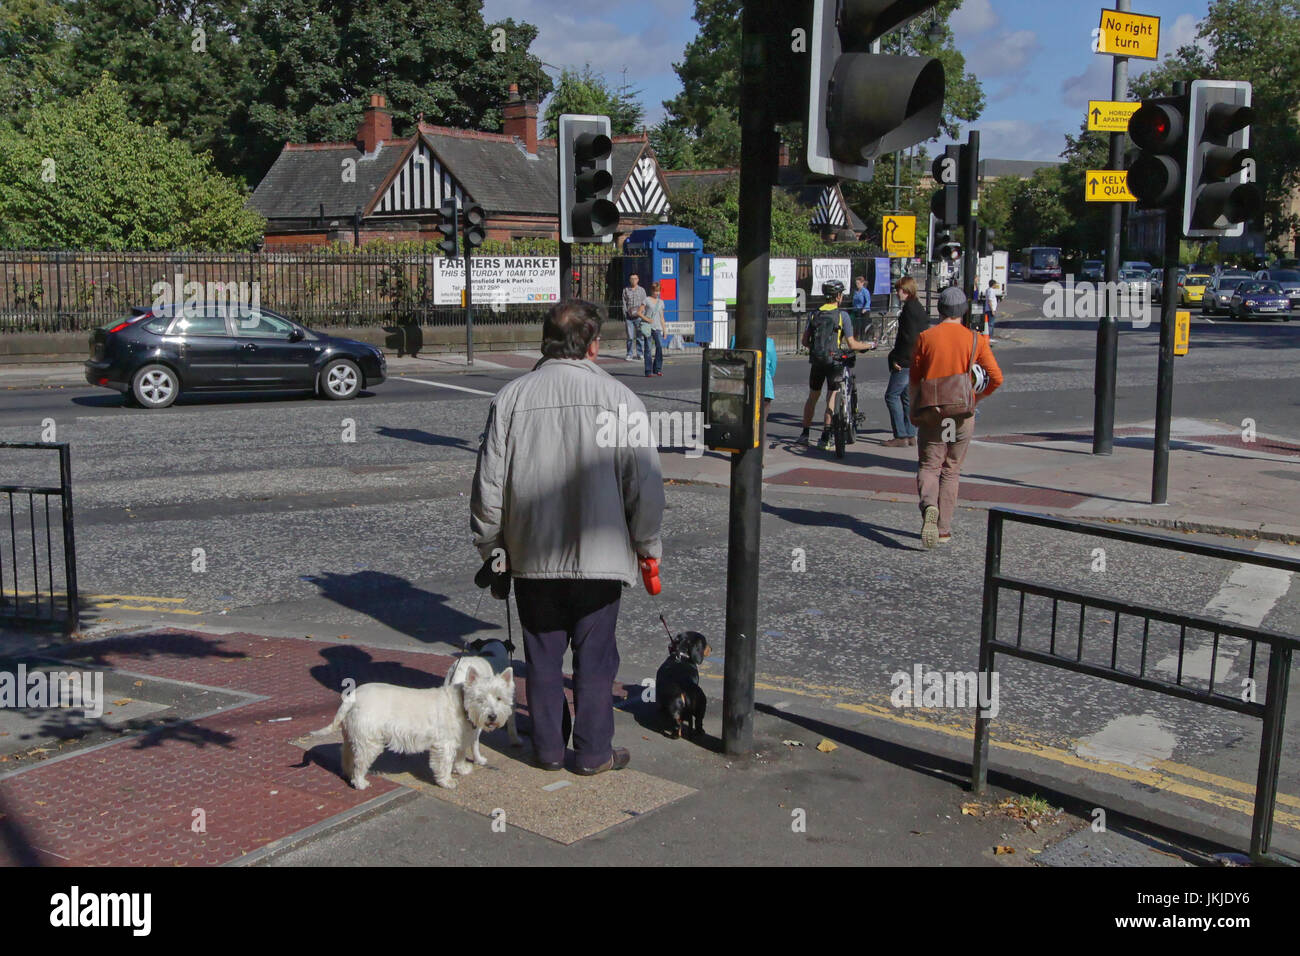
(939, 466)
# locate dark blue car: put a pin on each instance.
(1264, 300)
(156, 354)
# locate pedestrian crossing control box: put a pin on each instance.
(732, 393)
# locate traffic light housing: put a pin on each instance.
(946, 246)
(987, 239)
(946, 171)
(447, 229)
(475, 219)
(862, 105)
(586, 176)
(1221, 194)
(1159, 131)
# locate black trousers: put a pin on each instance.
(554, 616)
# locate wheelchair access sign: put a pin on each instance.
(1107, 185)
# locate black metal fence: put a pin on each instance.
(1128, 659)
(31, 550)
(64, 291)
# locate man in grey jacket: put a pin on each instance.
(571, 513)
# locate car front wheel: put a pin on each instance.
(155, 386)
(340, 379)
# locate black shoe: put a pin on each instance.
(547, 765)
(617, 761)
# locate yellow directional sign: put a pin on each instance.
(1182, 332)
(899, 236)
(1110, 116)
(1107, 185)
(1129, 34)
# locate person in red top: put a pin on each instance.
(943, 350)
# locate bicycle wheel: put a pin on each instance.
(841, 433)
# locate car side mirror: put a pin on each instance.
(296, 335)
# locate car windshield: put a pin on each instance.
(1133, 274)
(1262, 288)
(1227, 285)
(1285, 275)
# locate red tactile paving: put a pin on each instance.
(131, 803)
(896, 484)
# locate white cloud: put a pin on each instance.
(1005, 55)
(1018, 139)
(973, 16)
(1094, 83)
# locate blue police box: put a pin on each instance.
(675, 258)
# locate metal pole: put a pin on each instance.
(469, 298)
(69, 540)
(1103, 390)
(1270, 750)
(979, 771)
(929, 263)
(566, 271)
(758, 170)
(1165, 374)
(970, 266)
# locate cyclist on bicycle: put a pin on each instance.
(830, 343)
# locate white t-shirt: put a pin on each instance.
(991, 301)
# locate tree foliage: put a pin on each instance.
(586, 91)
(713, 213)
(83, 174)
(240, 77)
(707, 109)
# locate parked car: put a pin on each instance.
(1092, 270)
(1260, 299)
(156, 354)
(1218, 295)
(1288, 279)
(1191, 288)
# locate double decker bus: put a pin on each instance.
(1041, 264)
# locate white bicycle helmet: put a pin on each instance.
(979, 379)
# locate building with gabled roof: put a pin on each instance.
(382, 186)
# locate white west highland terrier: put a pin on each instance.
(445, 721)
(489, 657)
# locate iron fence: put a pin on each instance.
(65, 291)
(32, 544)
(1128, 659)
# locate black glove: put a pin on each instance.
(498, 581)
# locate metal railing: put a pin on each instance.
(29, 600)
(1128, 661)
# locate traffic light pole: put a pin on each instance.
(469, 309)
(566, 270)
(970, 260)
(1103, 389)
(1165, 374)
(759, 147)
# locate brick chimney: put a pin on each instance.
(521, 119)
(376, 124)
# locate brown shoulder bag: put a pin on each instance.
(953, 396)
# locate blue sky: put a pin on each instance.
(1033, 57)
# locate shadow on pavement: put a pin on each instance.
(878, 534)
(394, 602)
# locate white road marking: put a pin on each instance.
(459, 388)
(1246, 597)
(1136, 740)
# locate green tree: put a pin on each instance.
(674, 149)
(586, 91)
(713, 213)
(708, 107)
(1258, 41)
(83, 174)
(34, 55)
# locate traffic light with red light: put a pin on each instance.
(1159, 130)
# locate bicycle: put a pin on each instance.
(844, 423)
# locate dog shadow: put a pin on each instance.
(646, 714)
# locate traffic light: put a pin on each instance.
(1159, 131)
(946, 246)
(586, 175)
(862, 105)
(475, 217)
(1221, 193)
(946, 171)
(968, 180)
(447, 229)
(987, 239)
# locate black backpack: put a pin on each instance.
(827, 346)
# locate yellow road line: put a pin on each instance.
(1160, 777)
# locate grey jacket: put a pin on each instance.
(552, 489)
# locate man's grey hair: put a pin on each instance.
(570, 328)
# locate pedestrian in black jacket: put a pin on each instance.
(912, 321)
